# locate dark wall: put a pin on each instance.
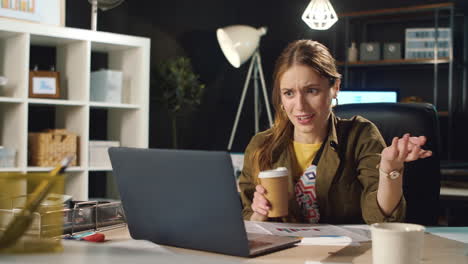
(187, 27)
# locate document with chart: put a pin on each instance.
(311, 234)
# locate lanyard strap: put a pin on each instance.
(319, 152)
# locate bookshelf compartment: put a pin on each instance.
(13, 61)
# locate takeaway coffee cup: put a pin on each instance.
(276, 184)
(397, 243)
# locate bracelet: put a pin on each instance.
(393, 175)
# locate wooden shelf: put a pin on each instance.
(10, 169)
(379, 12)
(4, 99)
(39, 101)
(100, 168)
(47, 169)
(394, 62)
(113, 105)
(452, 191)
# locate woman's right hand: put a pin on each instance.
(260, 205)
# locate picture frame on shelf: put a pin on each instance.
(51, 12)
(44, 84)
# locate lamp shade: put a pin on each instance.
(239, 42)
(319, 15)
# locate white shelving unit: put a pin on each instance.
(127, 122)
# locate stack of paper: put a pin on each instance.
(329, 241)
(312, 234)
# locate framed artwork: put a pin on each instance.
(50, 12)
(44, 84)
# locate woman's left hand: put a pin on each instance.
(404, 149)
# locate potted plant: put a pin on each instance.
(179, 89)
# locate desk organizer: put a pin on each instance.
(93, 215)
(89, 215)
(36, 231)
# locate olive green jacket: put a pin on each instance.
(347, 175)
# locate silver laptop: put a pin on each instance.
(187, 199)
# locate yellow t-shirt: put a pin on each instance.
(305, 153)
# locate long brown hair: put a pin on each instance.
(300, 52)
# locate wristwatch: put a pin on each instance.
(393, 175)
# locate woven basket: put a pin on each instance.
(49, 148)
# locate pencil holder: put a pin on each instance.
(43, 230)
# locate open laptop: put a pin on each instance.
(187, 199)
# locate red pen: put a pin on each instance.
(97, 237)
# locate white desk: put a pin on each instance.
(121, 249)
(452, 191)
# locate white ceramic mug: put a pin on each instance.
(397, 243)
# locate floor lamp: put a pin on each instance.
(239, 43)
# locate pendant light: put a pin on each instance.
(319, 15)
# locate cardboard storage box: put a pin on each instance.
(106, 86)
(98, 155)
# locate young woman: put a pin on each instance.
(340, 170)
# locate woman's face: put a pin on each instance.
(306, 97)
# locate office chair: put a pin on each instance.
(421, 182)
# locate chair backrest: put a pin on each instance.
(421, 182)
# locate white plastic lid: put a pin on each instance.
(278, 172)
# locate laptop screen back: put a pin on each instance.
(181, 198)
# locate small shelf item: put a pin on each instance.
(422, 43)
(7, 157)
(352, 52)
(48, 148)
(392, 51)
(3, 80)
(106, 86)
(98, 155)
(44, 84)
(369, 51)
